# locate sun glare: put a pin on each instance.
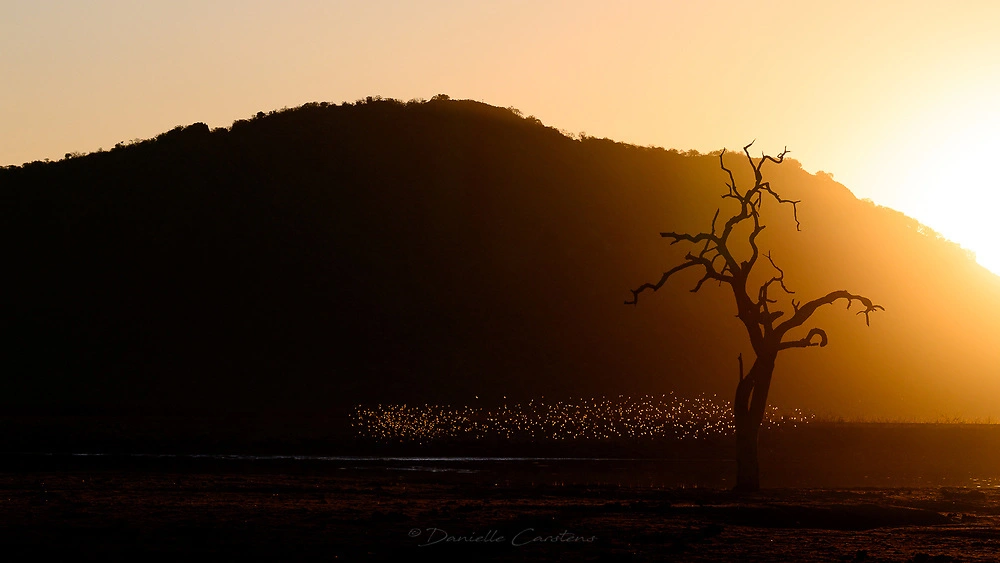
(945, 174)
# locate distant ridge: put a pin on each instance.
(435, 251)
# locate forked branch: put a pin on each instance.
(780, 278)
(803, 312)
(757, 317)
(690, 260)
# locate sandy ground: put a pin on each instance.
(352, 512)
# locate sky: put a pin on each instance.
(900, 101)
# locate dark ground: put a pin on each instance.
(374, 513)
(916, 493)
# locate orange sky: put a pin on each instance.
(899, 100)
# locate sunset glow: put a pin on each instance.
(897, 100)
(893, 99)
(943, 171)
(556, 280)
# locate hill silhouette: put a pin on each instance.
(437, 251)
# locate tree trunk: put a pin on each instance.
(748, 413)
(747, 464)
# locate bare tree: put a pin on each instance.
(758, 314)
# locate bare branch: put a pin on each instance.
(803, 312)
(732, 181)
(779, 160)
(766, 186)
(755, 251)
(769, 317)
(655, 286)
(710, 270)
(678, 237)
(739, 358)
(780, 278)
(705, 278)
(807, 341)
(746, 151)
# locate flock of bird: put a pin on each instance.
(665, 416)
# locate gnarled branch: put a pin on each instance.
(710, 272)
(803, 312)
(750, 204)
(766, 186)
(767, 317)
(678, 237)
(655, 286)
(807, 341)
(732, 181)
(780, 278)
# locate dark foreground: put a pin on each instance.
(473, 509)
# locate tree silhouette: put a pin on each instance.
(720, 263)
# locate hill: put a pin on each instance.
(437, 251)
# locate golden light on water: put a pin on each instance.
(647, 417)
